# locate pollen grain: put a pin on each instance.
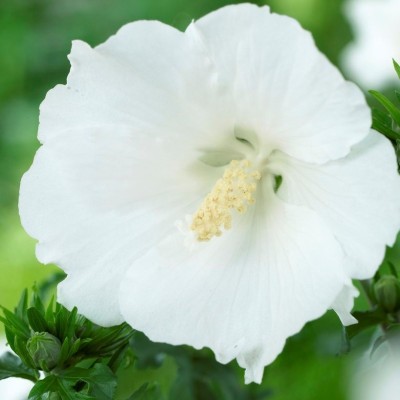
(234, 191)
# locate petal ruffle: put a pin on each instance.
(241, 294)
(285, 90)
(96, 203)
(358, 197)
(150, 76)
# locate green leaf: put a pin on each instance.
(147, 392)
(366, 319)
(62, 315)
(397, 68)
(36, 320)
(22, 351)
(37, 301)
(47, 385)
(22, 306)
(101, 381)
(55, 384)
(64, 352)
(17, 325)
(107, 340)
(49, 317)
(382, 123)
(11, 366)
(393, 110)
(10, 336)
(70, 324)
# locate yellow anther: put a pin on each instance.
(234, 191)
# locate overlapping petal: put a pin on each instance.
(149, 76)
(141, 133)
(284, 88)
(101, 204)
(358, 197)
(243, 294)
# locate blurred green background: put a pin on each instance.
(35, 38)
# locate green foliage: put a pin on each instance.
(11, 366)
(388, 122)
(198, 377)
(81, 360)
(387, 293)
(78, 357)
(44, 349)
(383, 292)
(42, 31)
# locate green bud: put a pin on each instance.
(387, 293)
(44, 349)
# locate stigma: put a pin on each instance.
(234, 191)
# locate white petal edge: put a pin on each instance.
(284, 88)
(357, 196)
(95, 202)
(149, 76)
(344, 303)
(242, 294)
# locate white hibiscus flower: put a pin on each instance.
(153, 155)
(376, 29)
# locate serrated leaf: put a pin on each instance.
(56, 384)
(393, 110)
(66, 391)
(100, 379)
(46, 385)
(36, 320)
(11, 366)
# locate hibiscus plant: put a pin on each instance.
(207, 194)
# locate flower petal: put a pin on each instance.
(95, 204)
(241, 294)
(344, 303)
(358, 197)
(284, 88)
(149, 75)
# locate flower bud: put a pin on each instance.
(44, 349)
(387, 293)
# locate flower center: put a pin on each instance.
(234, 191)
